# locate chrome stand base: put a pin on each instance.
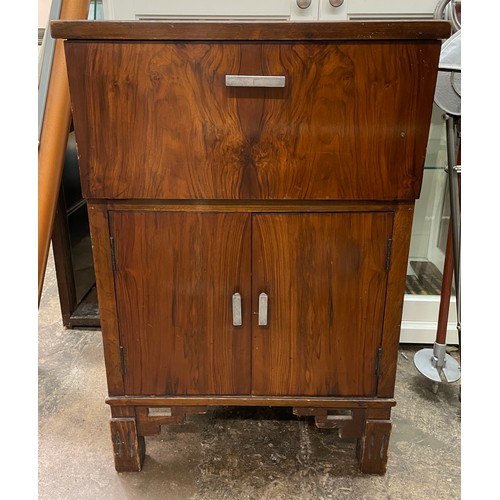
(437, 365)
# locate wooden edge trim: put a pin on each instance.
(401, 235)
(316, 402)
(311, 206)
(101, 250)
(207, 31)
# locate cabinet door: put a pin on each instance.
(343, 104)
(175, 274)
(325, 277)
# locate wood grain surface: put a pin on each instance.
(396, 283)
(199, 191)
(175, 277)
(109, 323)
(161, 30)
(325, 275)
(156, 121)
(373, 405)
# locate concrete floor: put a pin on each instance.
(230, 453)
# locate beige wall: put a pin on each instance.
(43, 12)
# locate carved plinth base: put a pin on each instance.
(372, 447)
(366, 421)
(150, 420)
(350, 424)
(372, 434)
(129, 448)
(130, 425)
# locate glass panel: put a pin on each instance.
(96, 10)
(431, 219)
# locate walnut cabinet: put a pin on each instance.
(250, 191)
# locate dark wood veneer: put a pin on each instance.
(339, 108)
(197, 191)
(182, 268)
(306, 264)
(164, 31)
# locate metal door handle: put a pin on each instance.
(263, 300)
(254, 81)
(237, 316)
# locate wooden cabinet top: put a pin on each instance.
(156, 116)
(275, 31)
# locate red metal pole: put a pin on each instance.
(446, 285)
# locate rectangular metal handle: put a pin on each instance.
(254, 81)
(237, 316)
(263, 300)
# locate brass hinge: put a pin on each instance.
(122, 360)
(112, 248)
(388, 254)
(378, 362)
